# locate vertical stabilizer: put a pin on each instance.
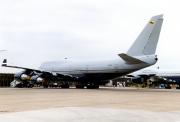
(146, 42)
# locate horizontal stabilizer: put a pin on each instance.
(130, 59)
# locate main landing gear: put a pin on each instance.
(88, 85)
(79, 86)
(56, 85)
(92, 85)
(66, 85)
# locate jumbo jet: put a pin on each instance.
(90, 73)
(155, 74)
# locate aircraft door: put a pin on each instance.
(70, 69)
(49, 67)
(116, 67)
(86, 68)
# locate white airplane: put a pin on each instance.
(166, 74)
(91, 73)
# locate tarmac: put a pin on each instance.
(89, 105)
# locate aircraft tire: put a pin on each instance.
(45, 86)
(168, 87)
(31, 86)
(97, 86)
(89, 87)
(64, 86)
(79, 86)
(93, 87)
(177, 87)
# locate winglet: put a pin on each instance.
(130, 59)
(4, 62)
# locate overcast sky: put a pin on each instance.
(33, 31)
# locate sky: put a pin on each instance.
(34, 31)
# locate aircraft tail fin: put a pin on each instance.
(146, 42)
(4, 62)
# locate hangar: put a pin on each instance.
(6, 79)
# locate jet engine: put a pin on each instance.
(37, 79)
(21, 76)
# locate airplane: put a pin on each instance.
(90, 74)
(156, 74)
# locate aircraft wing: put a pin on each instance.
(59, 76)
(5, 65)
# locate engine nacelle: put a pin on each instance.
(21, 76)
(37, 79)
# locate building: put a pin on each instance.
(6, 79)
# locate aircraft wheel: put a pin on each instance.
(93, 87)
(79, 86)
(45, 86)
(89, 87)
(31, 85)
(97, 87)
(168, 87)
(177, 87)
(64, 86)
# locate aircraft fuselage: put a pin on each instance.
(96, 70)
